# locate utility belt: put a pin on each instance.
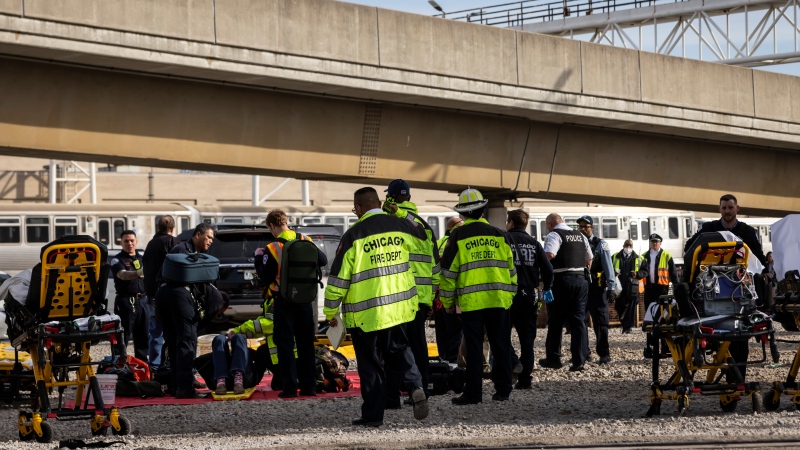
(597, 279)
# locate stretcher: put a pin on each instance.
(63, 316)
(702, 322)
(787, 312)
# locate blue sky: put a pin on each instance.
(422, 7)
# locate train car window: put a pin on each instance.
(66, 226)
(687, 223)
(351, 221)
(610, 230)
(633, 233)
(542, 230)
(533, 231)
(103, 231)
(337, 222)
(155, 221)
(571, 222)
(434, 223)
(645, 230)
(672, 225)
(208, 220)
(311, 220)
(119, 227)
(234, 219)
(37, 229)
(9, 230)
(184, 223)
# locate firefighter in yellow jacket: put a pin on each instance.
(372, 282)
(479, 276)
(425, 264)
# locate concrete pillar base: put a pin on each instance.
(497, 213)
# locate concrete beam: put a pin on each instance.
(90, 115)
(184, 19)
(11, 7)
(318, 28)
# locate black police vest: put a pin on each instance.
(572, 253)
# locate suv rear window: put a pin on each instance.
(238, 245)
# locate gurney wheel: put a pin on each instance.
(728, 407)
(25, 417)
(124, 427)
(758, 402)
(773, 400)
(47, 433)
(101, 432)
(683, 405)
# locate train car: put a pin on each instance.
(25, 228)
(616, 224)
(763, 226)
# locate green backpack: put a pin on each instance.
(301, 275)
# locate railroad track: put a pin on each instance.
(718, 444)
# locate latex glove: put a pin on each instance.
(547, 295)
(259, 251)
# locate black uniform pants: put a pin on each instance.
(415, 333)
(180, 338)
(570, 294)
(135, 320)
(448, 334)
(497, 324)
(378, 352)
(524, 314)
(626, 305)
(294, 325)
(597, 306)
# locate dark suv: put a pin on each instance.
(234, 247)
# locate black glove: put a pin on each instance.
(611, 297)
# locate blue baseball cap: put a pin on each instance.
(587, 219)
(398, 187)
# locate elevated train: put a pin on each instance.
(24, 228)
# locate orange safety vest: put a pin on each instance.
(275, 248)
(662, 270)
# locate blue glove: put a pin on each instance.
(547, 295)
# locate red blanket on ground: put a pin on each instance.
(262, 392)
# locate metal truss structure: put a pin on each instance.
(749, 33)
(64, 180)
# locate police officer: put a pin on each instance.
(129, 304)
(478, 275)
(153, 259)
(294, 322)
(371, 280)
(569, 253)
(425, 265)
(448, 326)
(657, 269)
(530, 260)
(601, 288)
(626, 261)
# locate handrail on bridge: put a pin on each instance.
(519, 13)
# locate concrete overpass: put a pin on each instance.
(328, 90)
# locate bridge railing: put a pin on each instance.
(520, 13)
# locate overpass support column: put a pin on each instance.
(256, 194)
(51, 182)
(496, 213)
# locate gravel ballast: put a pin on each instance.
(601, 404)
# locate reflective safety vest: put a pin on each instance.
(262, 326)
(616, 261)
(425, 259)
(478, 269)
(371, 278)
(662, 269)
(275, 249)
(442, 244)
